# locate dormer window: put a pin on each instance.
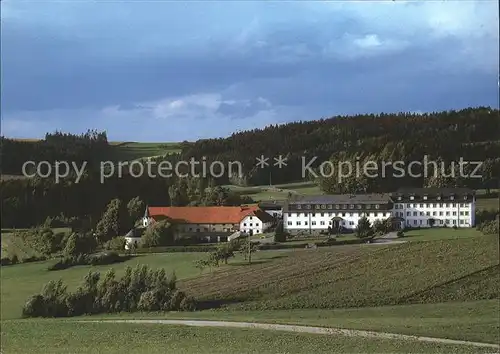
(317, 206)
(399, 198)
(352, 206)
(412, 197)
(425, 197)
(308, 206)
(465, 197)
(452, 197)
(377, 206)
(438, 197)
(323, 206)
(299, 206)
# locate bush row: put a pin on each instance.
(167, 249)
(141, 289)
(93, 259)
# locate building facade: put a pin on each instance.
(211, 220)
(417, 207)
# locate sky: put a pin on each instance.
(184, 70)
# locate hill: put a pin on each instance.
(341, 277)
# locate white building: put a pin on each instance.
(422, 207)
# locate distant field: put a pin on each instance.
(128, 151)
(61, 336)
(433, 234)
(277, 192)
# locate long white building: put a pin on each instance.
(409, 207)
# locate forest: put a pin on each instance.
(470, 133)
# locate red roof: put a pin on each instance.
(206, 215)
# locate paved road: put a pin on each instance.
(303, 329)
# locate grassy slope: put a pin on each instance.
(45, 337)
(352, 276)
(473, 320)
(441, 234)
(11, 245)
(22, 280)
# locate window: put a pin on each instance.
(440, 213)
(411, 205)
(441, 222)
(396, 206)
(454, 213)
(441, 205)
(251, 217)
(421, 213)
(452, 197)
(369, 206)
(434, 205)
(372, 214)
(256, 225)
(438, 197)
(289, 223)
(465, 197)
(414, 222)
(308, 206)
(352, 206)
(461, 213)
(317, 206)
(337, 206)
(421, 205)
(408, 213)
(289, 214)
(412, 197)
(420, 221)
(329, 206)
(344, 206)
(329, 214)
(351, 222)
(447, 213)
(447, 221)
(305, 223)
(377, 206)
(466, 212)
(461, 221)
(425, 197)
(313, 214)
(454, 221)
(322, 214)
(454, 205)
(245, 224)
(256, 231)
(322, 223)
(428, 213)
(251, 224)
(299, 206)
(298, 223)
(313, 222)
(414, 213)
(399, 198)
(343, 214)
(323, 206)
(358, 206)
(407, 205)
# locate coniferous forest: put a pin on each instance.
(471, 134)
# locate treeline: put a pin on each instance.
(444, 136)
(90, 147)
(28, 202)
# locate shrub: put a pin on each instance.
(489, 227)
(34, 306)
(116, 244)
(401, 233)
(104, 258)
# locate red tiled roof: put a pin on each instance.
(205, 215)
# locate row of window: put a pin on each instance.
(430, 205)
(299, 223)
(251, 224)
(340, 214)
(434, 213)
(437, 222)
(452, 197)
(338, 206)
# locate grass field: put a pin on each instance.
(441, 233)
(357, 276)
(22, 280)
(49, 336)
(472, 320)
(440, 288)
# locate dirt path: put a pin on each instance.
(305, 329)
